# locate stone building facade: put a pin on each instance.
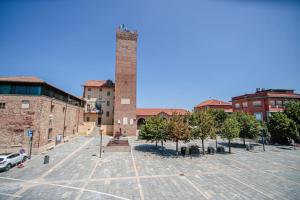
(125, 122)
(103, 92)
(28, 103)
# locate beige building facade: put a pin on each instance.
(101, 91)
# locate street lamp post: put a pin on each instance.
(263, 137)
(100, 142)
(99, 110)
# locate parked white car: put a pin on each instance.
(8, 160)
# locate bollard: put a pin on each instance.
(46, 159)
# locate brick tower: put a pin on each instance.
(125, 82)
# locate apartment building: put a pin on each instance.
(263, 102)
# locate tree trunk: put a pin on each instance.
(177, 147)
(216, 143)
(203, 146)
(156, 143)
(162, 147)
(244, 142)
(229, 145)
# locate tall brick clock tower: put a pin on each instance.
(125, 83)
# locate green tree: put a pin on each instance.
(178, 129)
(219, 116)
(202, 125)
(231, 130)
(281, 128)
(292, 110)
(155, 129)
(249, 126)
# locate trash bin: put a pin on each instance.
(183, 151)
(221, 150)
(46, 159)
(210, 150)
(194, 150)
(249, 147)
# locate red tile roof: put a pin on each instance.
(94, 83)
(156, 111)
(28, 79)
(213, 102)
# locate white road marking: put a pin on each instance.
(63, 186)
(269, 173)
(10, 195)
(87, 181)
(196, 188)
(137, 175)
(249, 186)
(26, 187)
(66, 158)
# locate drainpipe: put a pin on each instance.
(65, 118)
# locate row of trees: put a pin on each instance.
(200, 125)
(211, 122)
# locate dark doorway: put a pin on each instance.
(141, 122)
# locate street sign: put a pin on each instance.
(29, 133)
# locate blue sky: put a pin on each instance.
(188, 51)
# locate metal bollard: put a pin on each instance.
(46, 159)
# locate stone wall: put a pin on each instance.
(45, 122)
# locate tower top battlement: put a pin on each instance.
(124, 33)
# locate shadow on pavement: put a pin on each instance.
(151, 148)
(237, 145)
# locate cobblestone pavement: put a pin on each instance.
(76, 172)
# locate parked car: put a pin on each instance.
(8, 160)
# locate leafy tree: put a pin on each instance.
(231, 129)
(202, 126)
(178, 129)
(154, 129)
(249, 126)
(219, 116)
(292, 110)
(282, 129)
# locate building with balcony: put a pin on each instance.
(101, 91)
(263, 102)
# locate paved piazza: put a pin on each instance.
(74, 172)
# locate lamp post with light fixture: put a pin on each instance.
(98, 107)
